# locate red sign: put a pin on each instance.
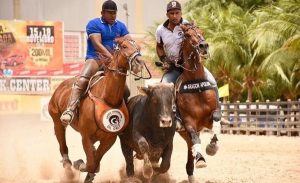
(30, 47)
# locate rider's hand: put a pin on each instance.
(105, 56)
(166, 66)
(108, 56)
(158, 63)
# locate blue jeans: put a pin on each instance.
(171, 77)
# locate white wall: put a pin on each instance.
(6, 9)
(76, 13)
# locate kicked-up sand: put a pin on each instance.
(29, 153)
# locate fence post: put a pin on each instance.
(269, 126)
(278, 117)
(289, 118)
(226, 116)
(236, 116)
(248, 117)
(256, 116)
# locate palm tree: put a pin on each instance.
(241, 40)
(285, 68)
(242, 35)
(226, 26)
(275, 33)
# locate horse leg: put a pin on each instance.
(212, 147)
(90, 160)
(128, 155)
(93, 158)
(60, 133)
(196, 148)
(105, 144)
(190, 161)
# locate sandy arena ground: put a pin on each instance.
(29, 154)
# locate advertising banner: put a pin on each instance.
(30, 45)
(19, 104)
(25, 85)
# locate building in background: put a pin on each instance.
(138, 14)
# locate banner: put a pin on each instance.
(30, 45)
(25, 85)
(224, 91)
(23, 104)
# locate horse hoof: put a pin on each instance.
(192, 179)
(67, 163)
(147, 170)
(200, 164)
(211, 149)
(69, 173)
(98, 169)
(78, 164)
(89, 178)
(200, 161)
(131, 180)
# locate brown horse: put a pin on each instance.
(195, 97)
(102, 115)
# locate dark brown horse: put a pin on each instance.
(101, 115)
(195, 97)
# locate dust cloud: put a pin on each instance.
(29, 153)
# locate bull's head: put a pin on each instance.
(161, 102)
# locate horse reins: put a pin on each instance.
(194, 53)
(130, 59)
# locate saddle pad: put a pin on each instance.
(110, 119)
(195, 86)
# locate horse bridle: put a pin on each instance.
(130, 60)
(196, 52)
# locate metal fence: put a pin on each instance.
(269, 118)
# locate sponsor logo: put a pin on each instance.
(174, 4)
(113, 120)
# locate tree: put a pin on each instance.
(233, 61)
(283, 65)
(253, 44)
(275, 33)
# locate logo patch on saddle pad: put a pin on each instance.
(195, 86)
(113, 120)
(110, 119)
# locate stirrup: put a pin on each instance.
(67, 117)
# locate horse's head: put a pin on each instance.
(127, 56)
(194, 39)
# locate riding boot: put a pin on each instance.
(78, 89)
(178, 121)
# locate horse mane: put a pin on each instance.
(189, 24)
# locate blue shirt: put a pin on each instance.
(108, 34)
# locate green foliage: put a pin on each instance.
(254, 45)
